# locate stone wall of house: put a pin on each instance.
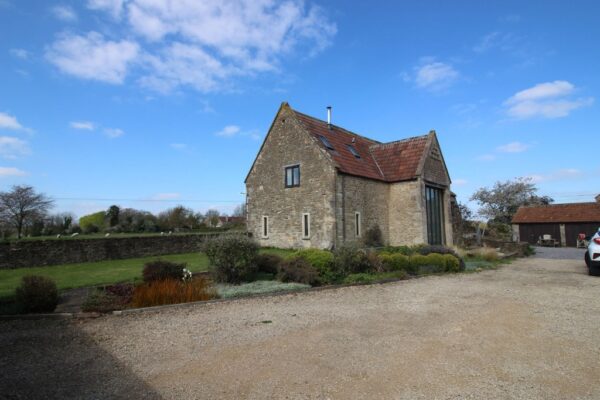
(368, 197)
(289, 144)
(434, 169)
(407, 219)
(38, 253)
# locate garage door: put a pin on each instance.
(531, 232)
(572, 230)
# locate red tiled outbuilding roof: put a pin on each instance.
(389, 162)
(558, 213)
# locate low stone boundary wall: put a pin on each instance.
(38, 253)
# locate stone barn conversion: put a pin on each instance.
(315, 184)
(563, 222)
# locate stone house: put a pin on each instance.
(315, 184)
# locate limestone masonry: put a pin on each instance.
(314, 184)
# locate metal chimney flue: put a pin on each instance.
(329, 117)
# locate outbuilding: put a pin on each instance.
(564, 222)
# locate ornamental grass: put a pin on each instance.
(171, 291)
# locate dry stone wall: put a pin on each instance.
(38, 253)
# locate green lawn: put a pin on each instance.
(70, 276)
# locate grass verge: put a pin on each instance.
(70, 276)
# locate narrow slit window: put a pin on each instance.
(357, 224)
(265, 227)
(292, 176)
(353, 151)
(306, 226)
(326, 142)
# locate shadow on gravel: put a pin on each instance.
(53, 359)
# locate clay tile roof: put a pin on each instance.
(389, 162)
(569, 212)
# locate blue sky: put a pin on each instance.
(153, 103)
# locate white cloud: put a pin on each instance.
(547, 100)
(11, 171)
(203, 45)
(432, 75)
(12, 147)
(513, 147)
(64, 13)
(113, 132)
(20, 53)
(166, 196)
(459, 182)
(559, 175)
(93, 57)
(113, 7)
(83, 125)
(229, 131)
(8, 121)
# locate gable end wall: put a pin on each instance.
(288, 144)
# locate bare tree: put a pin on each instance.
(213, 217)
(239, 211)
(22, 205)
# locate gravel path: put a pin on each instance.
(528, 330)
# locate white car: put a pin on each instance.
(592, 255)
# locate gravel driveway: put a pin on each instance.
(527, 330)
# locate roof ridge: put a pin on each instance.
(401, 140)
(560, 204)
(337, 126)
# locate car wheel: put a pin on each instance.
(594, 270)
(587, 259)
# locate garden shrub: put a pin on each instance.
(160, 269)
(417, 262)
(297, 269)
(428, 249)
(452, 263)
(37, 294)
(349, 259)
(171, 291)
(395, 262)
(232, 257)
(406, 250)
(372, 278)
(373, 237)
(268, 263)
(321, 260)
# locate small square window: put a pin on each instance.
(292, 176)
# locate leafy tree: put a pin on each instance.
(22, 206)
(212, 217)
(112, 215)
(92, 222)
(178, 217)
(502, 201)
(132, 220)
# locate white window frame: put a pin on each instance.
(305, 217)
(264, 233)
(358, 224)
